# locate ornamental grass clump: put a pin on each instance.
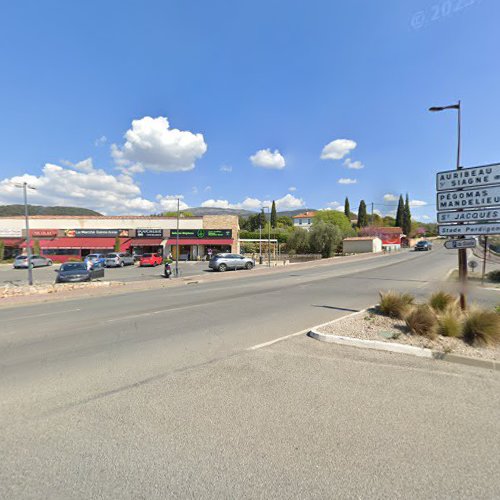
(440, 301)
(421, 320)
(481, 328)
(395, 305)
(451, 322)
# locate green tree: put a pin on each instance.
(362, 215)
(347, 208)
(274, 215)
(399, 212)
(407, 217)
(117, 244)
(335, 218)
(262, 219)
(173, 213)
(325, 238)
(298, 241)
(2, 250)
(284, 221)
(36, 247)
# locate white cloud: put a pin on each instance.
(347, 181)
(81, 186)
(226, 168)
(101, 141)
(335, 205)
(287, 202)
(424, 217)
(152, 145)
(207, 189)
(390, 197)
(168, 203)
(265, 158)
(194, 190)
(292, 189)
(337, 149)
(417, 203)
(356, 165)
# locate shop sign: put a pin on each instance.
(468, 177)
(149, 233)
(468, 216)
(96, 233)
(7, 232)
(202, 233)
(469, 198)
(470, 229)
(43, 233)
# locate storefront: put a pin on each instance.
(147, 241)
(199, 244)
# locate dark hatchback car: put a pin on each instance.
(74, 272)
(423, 246)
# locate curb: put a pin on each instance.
(378, 345)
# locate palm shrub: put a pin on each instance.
(422, 320)
(440, 301)
(481, 327)
(395, 304)
(451, 322)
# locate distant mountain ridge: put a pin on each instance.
(240, 212)
(13, 210)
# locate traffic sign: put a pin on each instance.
(469, 198)
(468, 177)
(469, 229)
(456, 244)
(489, 214)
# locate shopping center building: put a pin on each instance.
(63, 237)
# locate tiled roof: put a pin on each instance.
(305, 215)
(361, 238)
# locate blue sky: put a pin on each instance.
(288, 76)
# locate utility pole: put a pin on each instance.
(372, 215)
(484, 258)
(260, 240)
(25, 188)
(462, 252)
(177, 242)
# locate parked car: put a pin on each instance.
(21, 261)
(224, 261)
(151, 259)
(73, 272)
(119, 259)
(96, 257)
(137, 257)
(423, 246)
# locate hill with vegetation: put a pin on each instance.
(13, 210)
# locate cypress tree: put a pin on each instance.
(273, 216)
(400, 211)
(347, 208)
(362, 216)
(407, 217)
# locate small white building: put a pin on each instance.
(304, 220)
(362, 244)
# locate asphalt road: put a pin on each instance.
(155, 394)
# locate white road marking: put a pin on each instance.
(43, 314)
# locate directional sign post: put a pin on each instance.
(457, 244)
(488, 214)
(489, 228)
(469, 198)
(468, 177)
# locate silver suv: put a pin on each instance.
(119, 259)
(224, 261)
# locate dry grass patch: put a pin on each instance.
(440, 301)
(394, 304)
(451, 322)
(481, 327)
(422, 320)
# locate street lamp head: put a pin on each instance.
(442, 108)
(436, 108)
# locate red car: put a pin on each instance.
(151, 259)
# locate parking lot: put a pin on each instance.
(124, 274)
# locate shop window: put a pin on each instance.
(61, 251)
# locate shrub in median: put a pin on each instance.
(395, 304)
(481, 327)
(451, 322)
(440, 301)
(494, 276)
(422, 320)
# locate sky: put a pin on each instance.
(123, 106)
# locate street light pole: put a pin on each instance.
(177, 241)
(260, 237)
(268, 238)
(25, 188)
(462, 252)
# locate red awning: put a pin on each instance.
(12, 242)
(104, 243)
(145, 242)
(200, 241)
